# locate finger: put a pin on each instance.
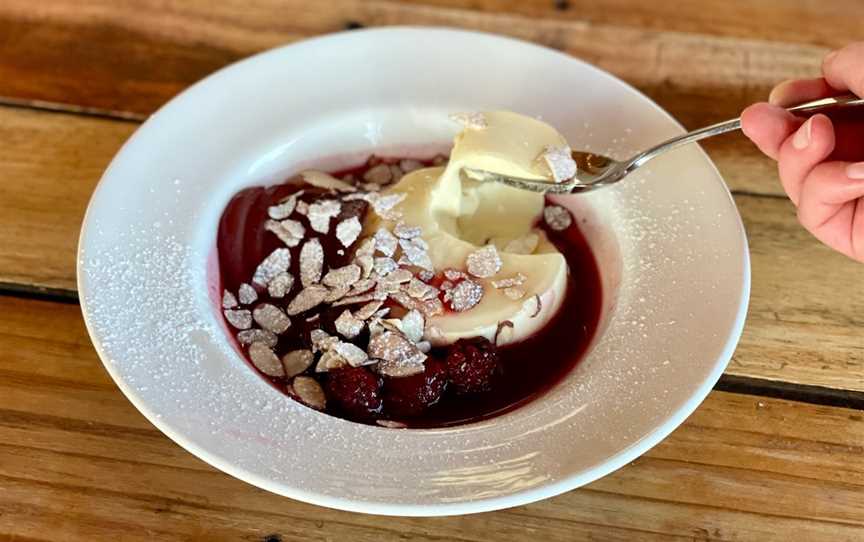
(832, 206)
(768, 126)
(844, 69)
(812, 143)
(797, 91)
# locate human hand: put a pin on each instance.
(821, 162)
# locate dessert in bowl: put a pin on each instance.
(668, 246)
(404, 294)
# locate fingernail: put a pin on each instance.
(855, 171)
(802, 136)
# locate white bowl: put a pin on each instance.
(669, 242)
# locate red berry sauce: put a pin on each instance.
(451, 391)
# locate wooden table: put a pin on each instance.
(775, 453)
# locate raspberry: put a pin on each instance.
(411, 395)
(355, 392)
(471, 365)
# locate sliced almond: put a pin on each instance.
(526, 244)
(464, 296)
(282, 210)
(280, 285)
(348, 231)
(413, 325)
(249, 336)
(516, 280)
(309, 392)
(265, 359)
(330, 360)
(336, 293)
(342, 276)
(484, 262)
(321, 212)
(311, 262)
(558, 218)
(271, 318)
(385, 242)
(229, 301)
(247, 294)
(297, 361)
(238, 318)
(308, 298)
(366, 311)
(353, 354)
(379, 174)
(277, 262)
(348, 325)
(408, 165)
(325, 180)
(560, 162)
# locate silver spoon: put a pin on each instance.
(595, 170)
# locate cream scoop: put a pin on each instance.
(524, 277)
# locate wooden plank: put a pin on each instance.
(805, 316)
(76, 458)
(833, 23)
(111, 56)
(49, 165)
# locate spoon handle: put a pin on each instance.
(805, 109)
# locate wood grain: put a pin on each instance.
(77, 461)
(49, 166)
(806, 311)
(131, 57)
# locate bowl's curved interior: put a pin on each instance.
(669, 241)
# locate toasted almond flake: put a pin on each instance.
(280, 285)
(366, 311)
(367, 265)
(249, 336)
(353, 354)
(337, 293)
(413, 325)
(348, 231)
(311, 262)
(398, 276)
(277, 262)
(287, 234)
(558, 218)
(484, 262)
(302, 208)
(362, 286)
(380, 174)
(526, 244)
(308, 298)
(309, 392)
(342, 276)
(446, 285)
(297, 361)
(415, 251)
(514, 292)
(313, 318)
(404, 231)
(229, 301)
(425, 275)
(516, 280)
(424, 346)
(371, 187)
(348, 325)
(384, 266)
(471, 121)
(282, 210)
(271, 318)
(431, 307)
(384, 205)
(390, 424)
(418, 289)
(464, 296)
(385, 242)
(320, 214)
(454, 275)
(265, 360)
(353, 299)
(397, 355)
(321, 340)
(238, 318)
(408, 165)
(247, 294)
(330, 360)
(560, 163)
(325, 180)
